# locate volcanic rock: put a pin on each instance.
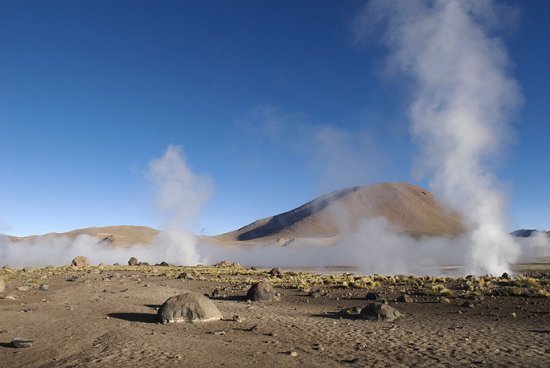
(21, 342)
(188, 307)
(352, 312)
(379, 312)
(261, 291)
(80, 261)
(185, 276)
(133, 261)
(276, 272)
(404, 298)
(371, 296)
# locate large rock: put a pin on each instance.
(276, 272)
(2, 285)
(261, 291)
(379, 312)
(80, 261)
(188, 307)
(132, 261)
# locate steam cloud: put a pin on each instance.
(179, 196)
(460, 113)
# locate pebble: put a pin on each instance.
(352, 361)
(21, 342)
(292, 353)
(44, 287)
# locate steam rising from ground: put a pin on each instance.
(179, 197)
(462, 100)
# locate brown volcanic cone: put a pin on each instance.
(412, 209)
(120, 236)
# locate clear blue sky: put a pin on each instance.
(91, 91)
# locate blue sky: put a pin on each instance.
(271, 99)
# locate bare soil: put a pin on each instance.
(106, 317)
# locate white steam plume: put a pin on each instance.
(180, 195)
(462, 100)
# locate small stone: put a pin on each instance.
(350, 312)
(445, 300)
(215, 294)
(371, 296)
(351, 361)
(380, 312)
(21, 342)
(44, 287)
(276, 272)
(468, 304)
(218, 333)
(236, 318)
(185, 276)
(292, 353)
(10, 297)
(314, 294)
(404, 298)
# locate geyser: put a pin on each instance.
(463, 97)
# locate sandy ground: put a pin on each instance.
(106, 317)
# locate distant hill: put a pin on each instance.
(412, 209)
(525, 233)
(120, 236)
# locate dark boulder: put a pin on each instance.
(261, 291)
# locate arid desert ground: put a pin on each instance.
(107, 317)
